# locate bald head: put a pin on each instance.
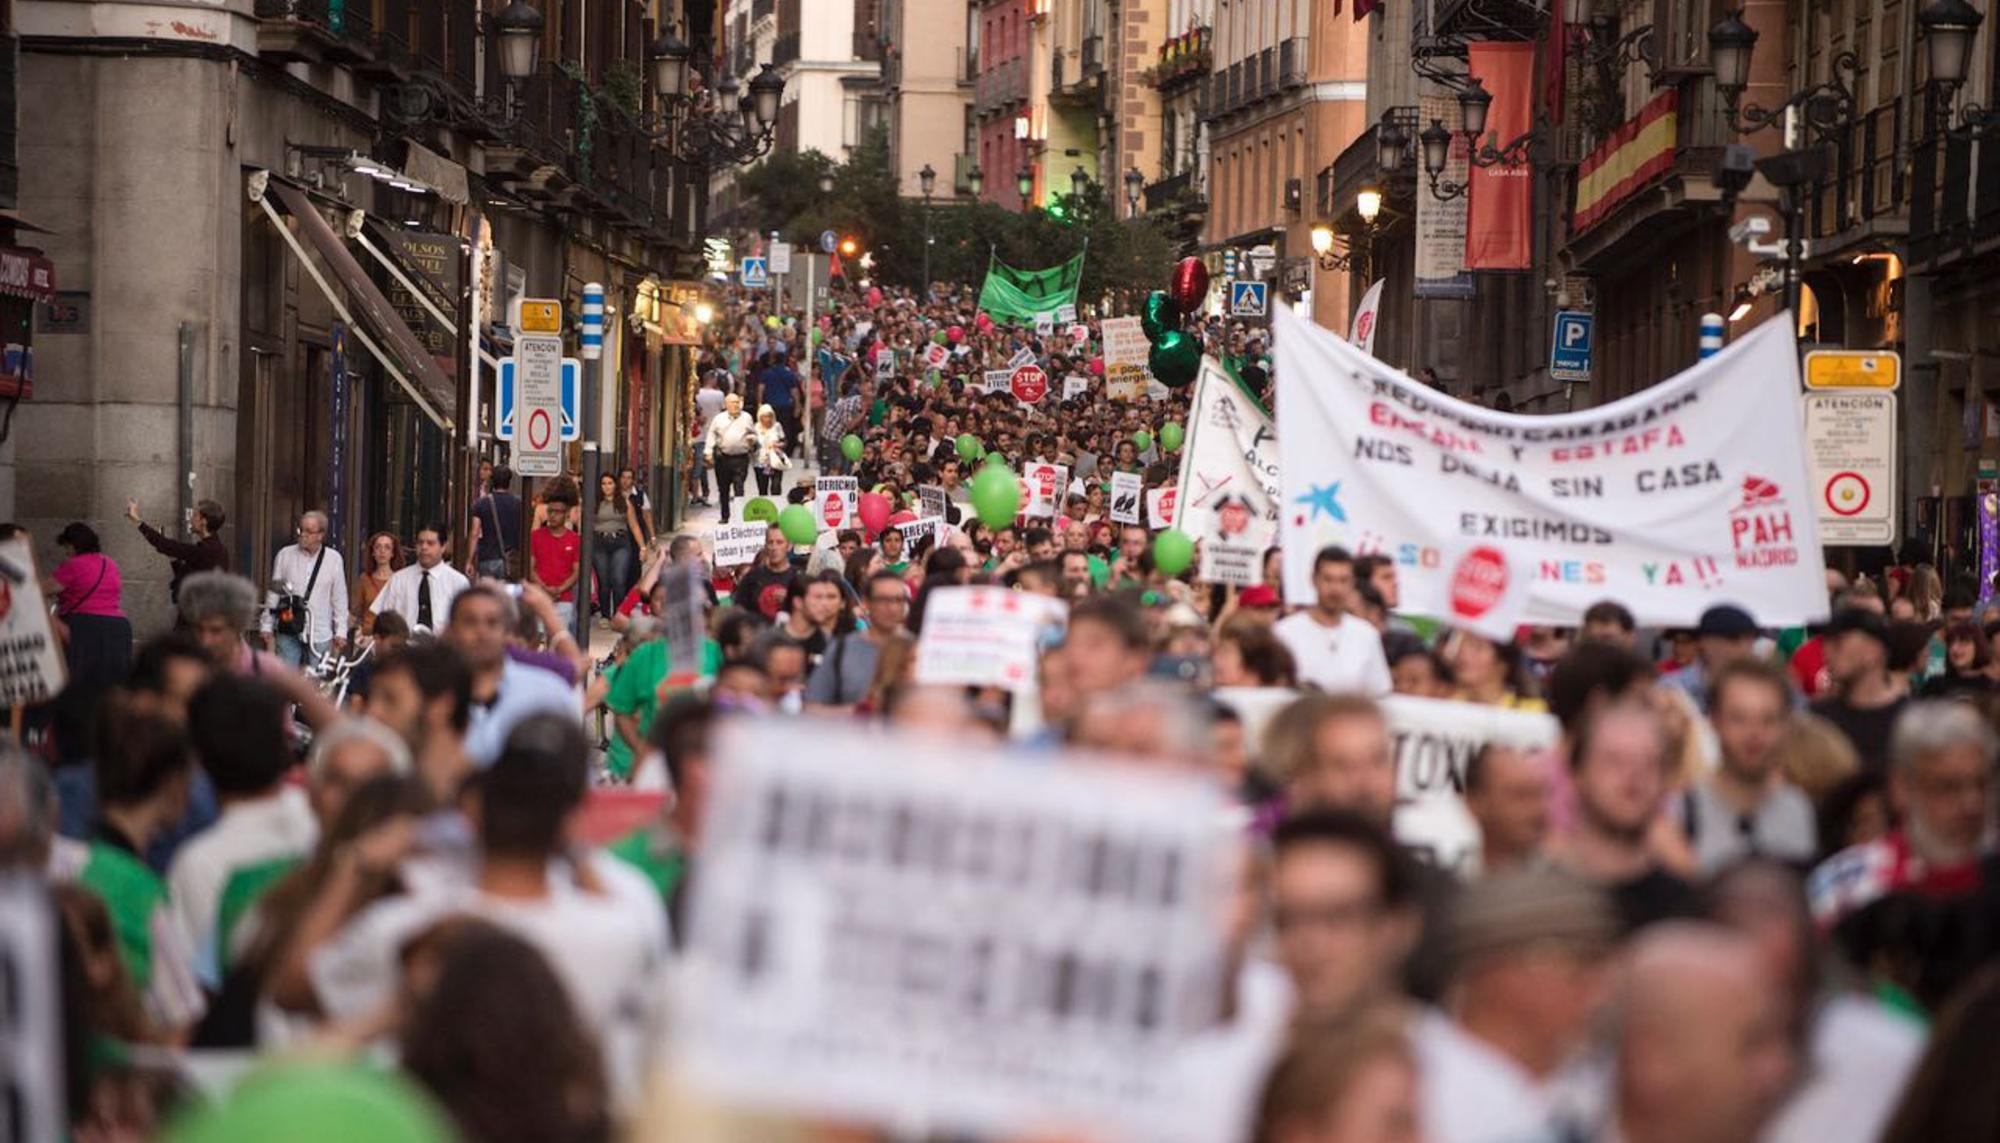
(1702, 1053)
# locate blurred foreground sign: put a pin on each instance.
(915, 934)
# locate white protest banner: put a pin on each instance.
(837, 501)
(1022, 356)
(1362, 332)
(1066, 312)
(1075, 385)
(934, 500)
(917, 529)
(997, 380)
(1160, 505)
(984, 636)
(1125, 350)
(31, 665)
(1229, 487)
(1045, 323)
(1434, 742)
(1078, 333)
(1044, 484)
(31, 1025)
(916, 935)
(1125, 490)
(1237, 565)
(1691, 493)
(738, 544)
(936, 356)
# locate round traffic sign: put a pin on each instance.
(828, 241)
(541, 429)
(1847, 493)
(1029, 384)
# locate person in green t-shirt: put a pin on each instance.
(144, 775)
(647, 676)
(663, 850)
(894, 558)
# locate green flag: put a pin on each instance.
(1011, 295)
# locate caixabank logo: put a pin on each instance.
(1760, 527)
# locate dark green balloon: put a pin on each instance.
(1161, 315)
(1175, 359)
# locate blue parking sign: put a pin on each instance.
(1569, 349)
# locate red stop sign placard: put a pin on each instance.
(1029, 383)
(834, 511)
(1479, 582)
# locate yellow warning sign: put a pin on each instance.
(541, 315)
(1853, 369)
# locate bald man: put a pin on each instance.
(1702, 1052)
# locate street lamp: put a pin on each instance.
(1392, 143)
(1368, 204)
(1078, 183)
(975, 180)
(1135, 185)
(1024, 182)
(1473, 104)
(518, 27)
(1323, 239)
(927, 182)
(1436, 142)
(1826, 108)
(826, 182)
(1948, 27)
(766, 89)
(669, 55)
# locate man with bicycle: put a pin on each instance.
(305, 612)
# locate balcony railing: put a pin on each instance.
(347, 25)
(1267, 72)
(1001, 86)
(1167, 190)
(1292, 63)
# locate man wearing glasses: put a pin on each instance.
(844, 672)
(305, 611)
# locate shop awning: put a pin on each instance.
(434, 393)
(27, 274)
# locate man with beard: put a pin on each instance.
(424, 693)
(1618, 763)
(763, 588)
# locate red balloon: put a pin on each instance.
(1189, 285)
(904, 517)
(874, 511)
(955, 334)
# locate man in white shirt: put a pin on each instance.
(1529, 949)
(312, 571)
(707, 406)
(1335, 650)
(422, 592)
(731, 438)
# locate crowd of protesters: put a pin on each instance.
(1750, 893)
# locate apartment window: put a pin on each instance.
(1169, 142)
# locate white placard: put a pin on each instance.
(984, 636)
(1851, 449)
(1022, 356)
(538, 427)
(906, 932)
(1126, 488)
(934, 500)
(1066, 312)
(1687, 494)
(1229, 487)
(837, 501)
(734, 545)
(31, 664)
(1044, 484)
(1125, 350)
(781, 257)
(997, 380)
(1078, 333)
(1237, 565)
(682, 626)
(937, 356)
(1045, 323)
(932, 526)
(1160, 503)
(1075, 385)
(31, 1026)
(885, 363)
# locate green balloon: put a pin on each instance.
(996, 459)
(798, 523)
(1160, 315)
(1143, 439)
(850, 447)
(1173, 551)
(760, 511)
(1171, 436)
(317, 1103)
(939, 338)
(816, 336)
(969, 446)
(996, 496)
(1175, 359)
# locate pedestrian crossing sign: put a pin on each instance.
(506, 400)
(755, 272)
(1248, 299)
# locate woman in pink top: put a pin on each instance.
(100, 637)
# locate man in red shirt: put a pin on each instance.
(556, 552)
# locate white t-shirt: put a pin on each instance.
(1472, 1093)
(1861, 1055)
(247, 833)
(1346, 657)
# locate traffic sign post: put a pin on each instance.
(1249, 299)
(1854, 369)
(590, 345)
(537, 365)
(1851, 453)
(1569, 349)
(755, 273)
(507, 400)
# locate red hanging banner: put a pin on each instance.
(1497, 231)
